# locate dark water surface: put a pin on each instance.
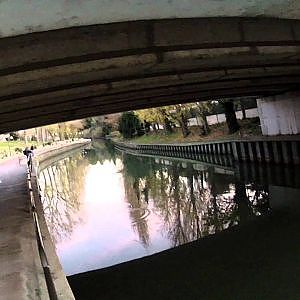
(104, 207)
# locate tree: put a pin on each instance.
(129, 124)
(242, 104)
(89, 123)
(53, 131)
(106, 129)
(155, 116)
(230, 116)
(168, 116)
(165, 116)
(203, 108)
(181, 116)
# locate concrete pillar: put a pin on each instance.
(279, 114)
(235, 151)
(195, 149)
(251, 151)
(266, 152)
(208, 149)
(205, 149)
(244, 155)
(229, 148)
(295, 153)
(277, 158)
(223, 148)
(214, 149)
(286, 153)
(226, 160)
(258, 151)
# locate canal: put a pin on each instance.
(104, 207)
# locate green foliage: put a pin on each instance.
(89, 123)
(92, 156)
(18, 150)
(136, 167)
(129, 125)
(106, 129)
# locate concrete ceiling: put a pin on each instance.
(71, 73)
(21, 17)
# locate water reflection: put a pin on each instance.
(108, 207)
(62, 185)
(192, 203)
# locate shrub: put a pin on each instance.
(129, 124)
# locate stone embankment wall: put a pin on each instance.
(284, 150)
(58, 277)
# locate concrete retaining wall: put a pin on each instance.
(60, 282)
(286, 151)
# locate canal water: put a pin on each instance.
(104, 207)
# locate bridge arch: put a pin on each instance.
(76, 72)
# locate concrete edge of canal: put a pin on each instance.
(57, 276)
(285, 150)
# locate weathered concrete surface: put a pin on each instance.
(280, 115)
(21, 17)
(60, 75)
(21, 274)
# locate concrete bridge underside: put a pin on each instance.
(71, 73)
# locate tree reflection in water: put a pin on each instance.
(193, 200)
(190, 199)
(62, 185)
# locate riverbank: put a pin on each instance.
(10, 149)
(21, 273)
(14, 149)
(249, 128)
(278, 150)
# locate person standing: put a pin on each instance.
(28, 153)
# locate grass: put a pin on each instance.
(249, 127)
(13, 147)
